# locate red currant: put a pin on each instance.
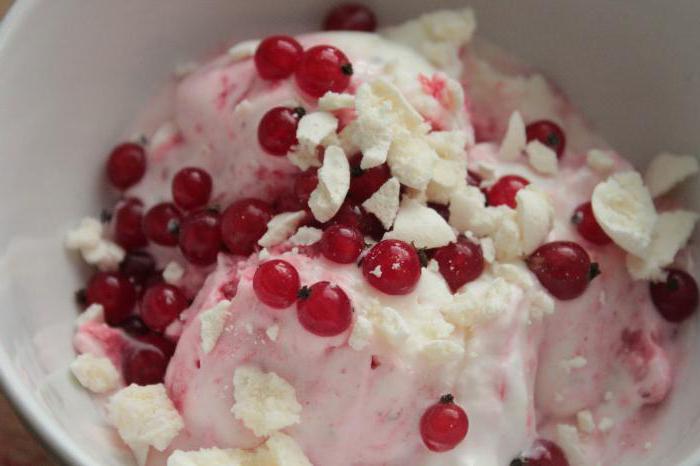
(243, 223)
(392, 266)
(342, 244)
(161, 305)
(542, 453)
(587, 225)
(200, 237)
(323, 68)
(277, 57)
(350, 17)
(115, 293)
(276, 283)
(460, 262)
(146, 360)
(277, 130)
(304, 185)
(676, 299)
(548, 133)
(444, 425)
(128, 228)
(126, 165)
(191, 188)
(504, 190)
(324, 309)
(162, 224)
(138, 266)
(364, 183)
(563, 268)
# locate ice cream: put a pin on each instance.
(332, 286)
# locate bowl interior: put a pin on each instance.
(74, 73)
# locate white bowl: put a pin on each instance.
(72, 74)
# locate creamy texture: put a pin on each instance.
(606, 355)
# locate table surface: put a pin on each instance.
(17, 446)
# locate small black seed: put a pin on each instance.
(577, 218)
(553, 140)
(174, 227)
(356, 171)
(299, 112)
(142, 140)
(673, 284)
(594, 271)
(304, 292)
(81, 297)
(518, 462)
(105, 216)
(347, 69)
(447, 399)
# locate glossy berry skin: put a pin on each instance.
(191, 188)
(350, 17)
(357, 217)
(342, 244)
(364, 183)
(444, 425)
(243, 223)
(542, 453)
(563, 268)
(504, 190)
(115, 293)
(128, 228)
(200, 237)
(161, 305)
(146, 358)
(324, 309)
(138, 266)
(323, 68)
(676, 298)
(392, 266)
(126, 165)
(276, 283)
(548, 133)
(460, 262)
(587, 225)
(277, 130)
(304, 185)
(277, 57)
(161, 224)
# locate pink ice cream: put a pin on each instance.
(607, 355)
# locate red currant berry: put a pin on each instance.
(277, 57)
(276, 283)
(191, 188)
(146, 360)
(115, 293)
(304, 185)
(444, 425)
(364, 183)
(563, 268)
(504, 190)
(138, 266)
(324, 309)
(392, 266)
(126, 165)
(200, 237)
(342, 244)
(162, 224)
(277, 131)
(350, 17)
(676, 299)
(243, 223)
(161, 305)
(588, 226)
(460, 262)
(323, 68)
(128, 228)
(542, 453)
(549, 134)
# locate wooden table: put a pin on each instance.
(17, 446)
